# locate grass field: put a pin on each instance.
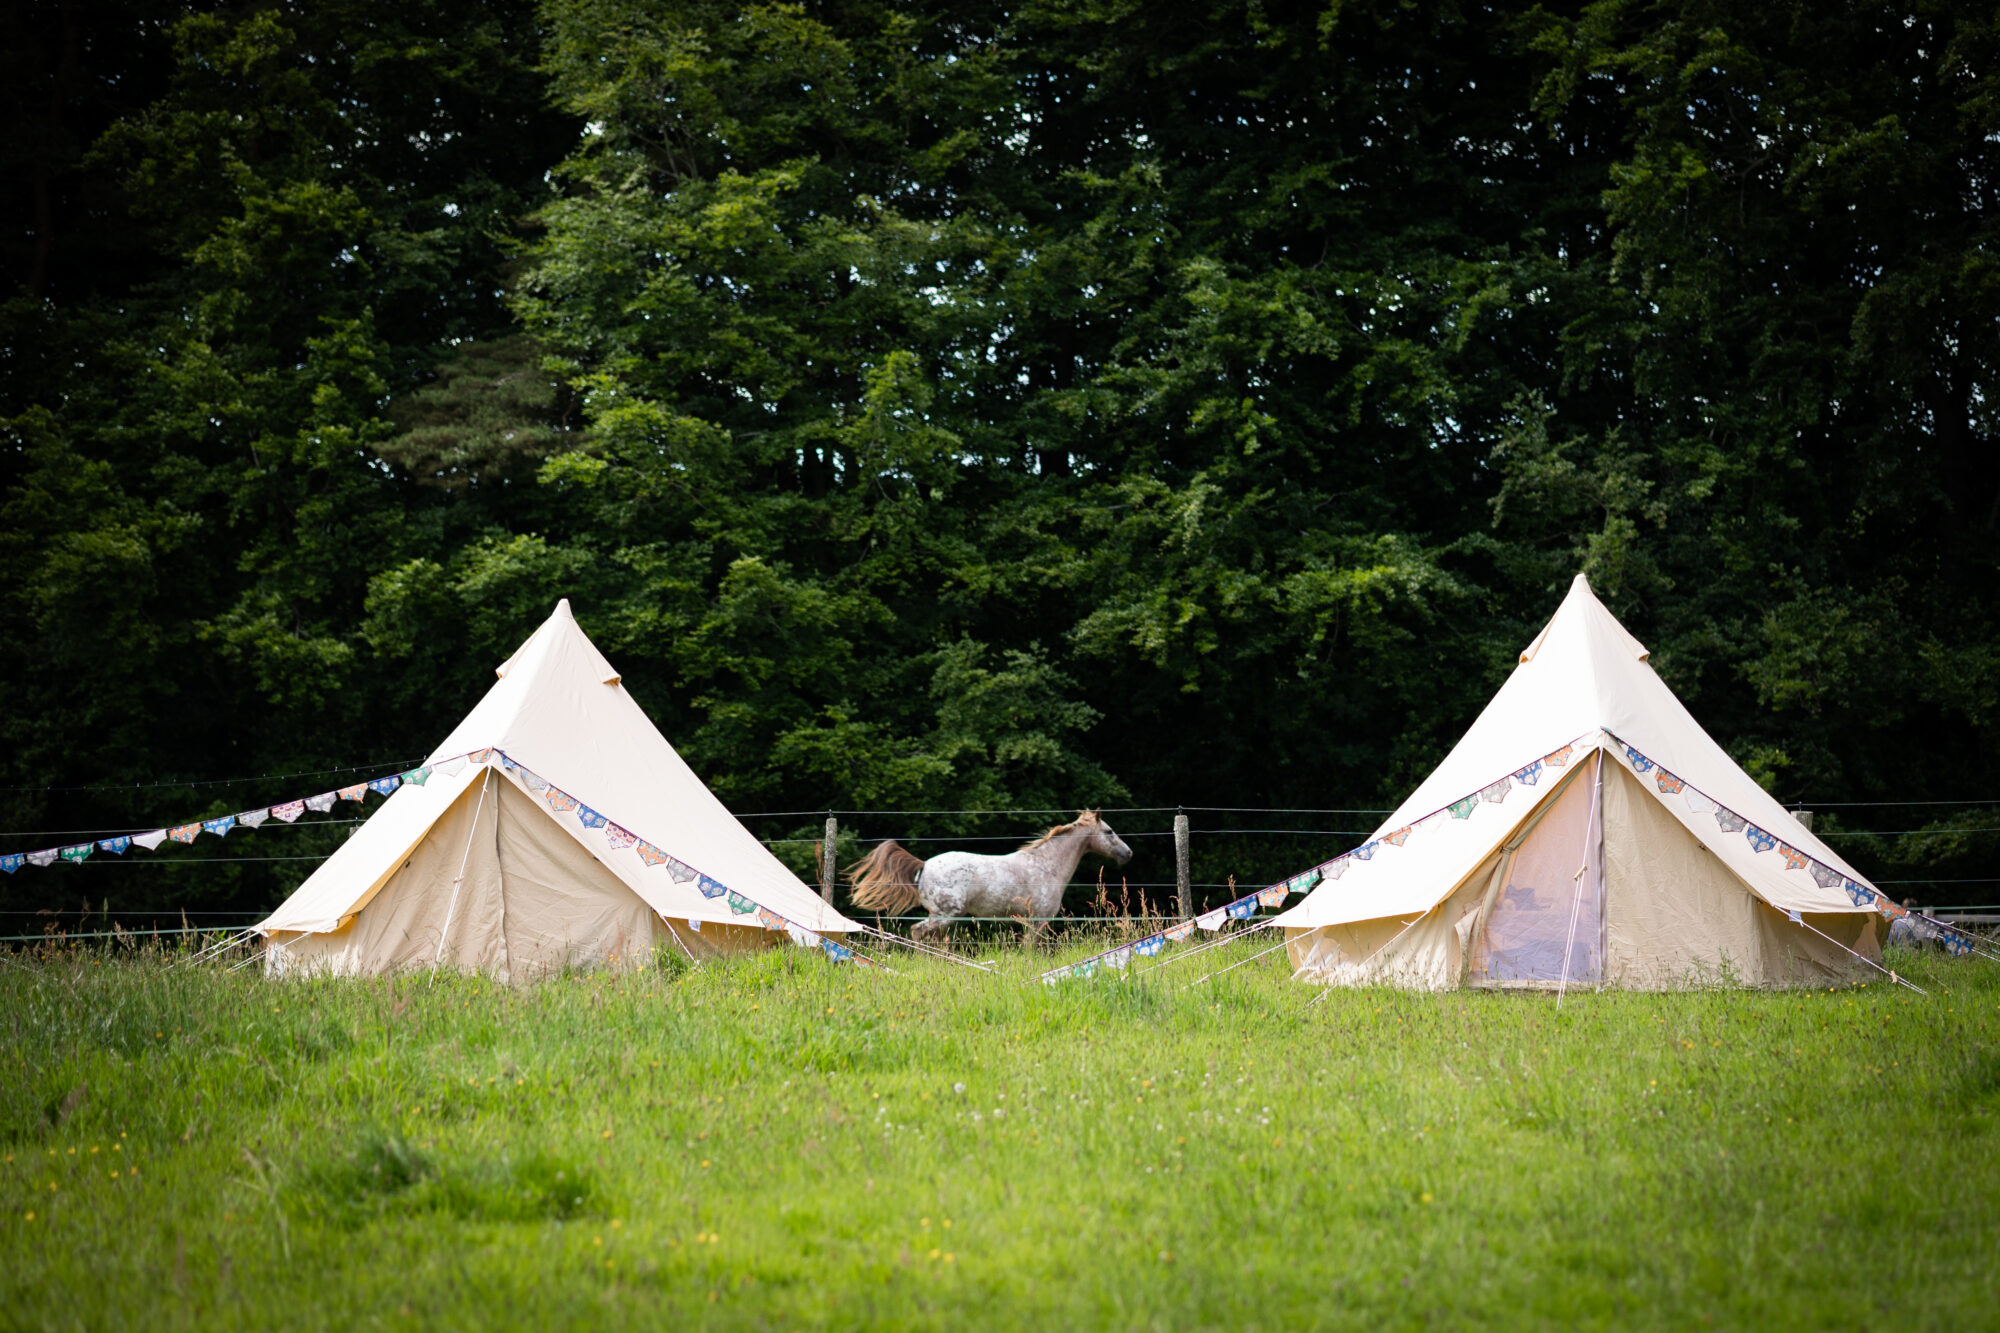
(776, 1142)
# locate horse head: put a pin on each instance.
(1101, 838)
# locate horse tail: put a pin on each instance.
(885, 880)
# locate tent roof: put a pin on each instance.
(1585, 681)
(560, 710)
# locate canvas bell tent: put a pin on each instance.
(1586, 831)
(554, 827)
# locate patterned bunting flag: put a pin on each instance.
(1557, 758)
(559, 801)
(1463, 809)
(1242, 907)
(1889, 908)
(1495, 792)
(648, 853)
(480, 756)
(618, 837)
(289, 811)
(383, 786)
(1365, 852)
(1086, 968)
(769, 920)
(1212, 920)
(1272, 897)
(1794, 858)
(534, 782)
(1730, 821)
(185, 833)
(254, 818)
(839, 953)
(150, 840)
(417, 777)
(1667, 782)
(739, 904)
(710, 889)
(321, 803)
(1640, 763)
(1178, 933)
(1528, 776)
(358, 792)
(116, 846)
(450, 768)
(1698, 803)
(1760, 841)
(1859, 895)
(681, 871)
(802, 937)
(1398, 838)
(1149, 946)
(1826, 876)
(1300, 883)
(79, 852)
(1118, 958)
(1335, 868)
(507, 762)
(219, 827)
(45, 857)
(589, 818)
(12, 861)
(694, 925)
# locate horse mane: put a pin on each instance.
(1083, 817)
(885, 880)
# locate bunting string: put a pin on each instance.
(559, 802)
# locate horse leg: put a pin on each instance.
(936, 924)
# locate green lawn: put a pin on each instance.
(780, 1143)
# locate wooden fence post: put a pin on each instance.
(1181, 886)
(826, 859)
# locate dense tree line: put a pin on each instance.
(954, 405)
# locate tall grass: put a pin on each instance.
(778, 1142)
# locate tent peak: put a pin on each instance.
(1581, 601)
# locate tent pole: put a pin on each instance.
(1576, 880)
(451, 908)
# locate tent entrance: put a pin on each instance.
(1543, 920)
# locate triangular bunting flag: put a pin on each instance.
(323, 802)
(1212, 920)
(150, 840)
(116, 846)
(289, 811)
(79, 852)
(219, 827)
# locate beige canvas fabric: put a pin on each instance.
(532, 901)
(1681, 899)
(560, 711)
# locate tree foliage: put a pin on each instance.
(957, 405)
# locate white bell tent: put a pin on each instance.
(554, 827)
(1586, 832)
